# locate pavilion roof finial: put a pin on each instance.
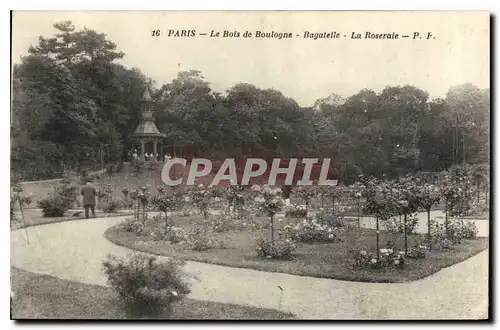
(146, 96)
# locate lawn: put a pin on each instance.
(47, 297)
(326, 260)
(34, 217)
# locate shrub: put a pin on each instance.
(296, 211)
(200, 240)
(223, 223)
(386, 259)
(467, 229)
(110, 206)
(127, 203)
(26, 201)
(310, 231)
(54, 205)
(417, 252)
(233, 221)
(131, 225)
(279, 249)
(396, 226)
(146, 287)
(66, 190)
(330, 220)
(170, 234)
(175, 235)
(440, 240)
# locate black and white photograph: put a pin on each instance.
(250, 165)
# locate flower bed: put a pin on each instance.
(311, 230)
(330, 259)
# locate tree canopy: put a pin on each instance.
(70, 96)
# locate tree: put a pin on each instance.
(381, 201)
(429, 196)
(306, 193)
(168, 200)
(270, 201)
(407, 193)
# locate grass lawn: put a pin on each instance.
(34, 217)
(47, 297)
(327, 260)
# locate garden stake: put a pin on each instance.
(378, 238)
(406, 236)
(22, 216)
(281, 297)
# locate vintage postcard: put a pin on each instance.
(251, 165)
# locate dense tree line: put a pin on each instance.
(70, 97)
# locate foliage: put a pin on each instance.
(201, 196)
(381, 198)
(146, 286)
(387, 258)
(457, 190)
(324, 217)
(70, 94)
(111, 205)
(227, 222)
(281, 249)
(296, 211)
(306, 194)
(310, 231)
(443, 237)
(59, 200)
(468, 229)
(268, 199)
(175, 235)
(131, 225)
(54, 205)
(167, 200)
(417, 252)
(396, 225)
(201, 240)
(26, 200)
(429, 195)
(235, 195)
(458, 230)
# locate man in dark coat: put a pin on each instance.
(89, 194)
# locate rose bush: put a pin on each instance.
(310, 231)
(385, 259)
(270, 201)
(201, 240)
(280, 249)
(146, 287)
(296, 211)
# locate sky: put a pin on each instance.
(303, 69)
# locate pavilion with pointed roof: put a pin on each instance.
(147, 132)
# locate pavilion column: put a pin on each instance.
(142, 149)
(155, 150)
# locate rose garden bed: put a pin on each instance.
(327, 260)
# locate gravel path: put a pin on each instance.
(74, 250)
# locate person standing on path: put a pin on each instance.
(88, 192)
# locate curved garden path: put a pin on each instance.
(74, 250)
